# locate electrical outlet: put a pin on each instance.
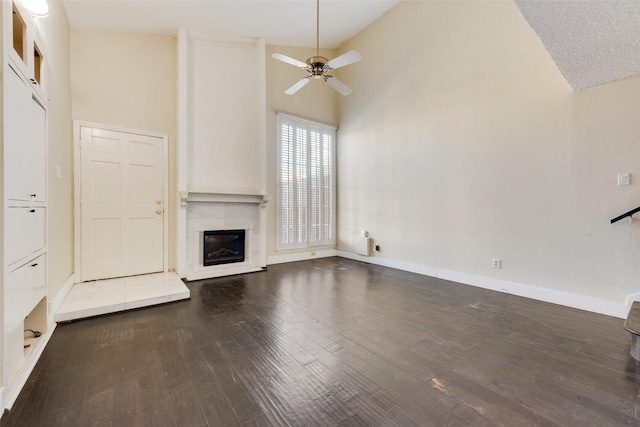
(624, 179)
(377, 248)
(496, 263)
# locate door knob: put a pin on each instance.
(158, 211)
(158, 201)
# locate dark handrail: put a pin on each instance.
(624, 215)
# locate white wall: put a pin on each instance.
(316, 101)
(128, 80)
(225, 110)
(462, 142)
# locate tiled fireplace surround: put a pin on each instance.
(213, 211)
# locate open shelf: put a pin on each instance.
(38, 60)
(19, 34)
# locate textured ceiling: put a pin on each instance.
(280, 22)
(592, 42)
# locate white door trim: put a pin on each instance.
(77, 185)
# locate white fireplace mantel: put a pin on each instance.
(221, 196)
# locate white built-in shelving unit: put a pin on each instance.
(24, 281)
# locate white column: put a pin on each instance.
(183, 141)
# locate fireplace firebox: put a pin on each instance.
(223, 247)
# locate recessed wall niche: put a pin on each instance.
(37, 64)
(19, 34)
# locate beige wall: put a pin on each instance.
(55, 33)
(462, 142)
(316, 101)
(128, 80)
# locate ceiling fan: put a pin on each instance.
(318, 66)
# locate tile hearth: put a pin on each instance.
(120, 294)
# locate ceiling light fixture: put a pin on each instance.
(38, 8)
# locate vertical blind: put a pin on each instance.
(306, 180)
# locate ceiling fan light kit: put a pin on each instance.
(318, 66)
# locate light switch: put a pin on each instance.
(58, 172)
(623, 179)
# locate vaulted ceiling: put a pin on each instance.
(591, 41)
(280, 22)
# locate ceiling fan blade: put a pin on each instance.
(289, 60)
(345, 59)
(338, 85)
(299, 85)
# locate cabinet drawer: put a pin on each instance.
(24, 288)
(25, 232)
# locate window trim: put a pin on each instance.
(310, 125)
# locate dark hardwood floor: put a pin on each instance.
(334, 342)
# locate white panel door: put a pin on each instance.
(121, 203)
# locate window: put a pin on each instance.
(306, 183)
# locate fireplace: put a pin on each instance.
(228, 213)
(223, 247)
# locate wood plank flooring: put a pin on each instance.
(334, 342)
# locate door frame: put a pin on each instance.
(77, 187)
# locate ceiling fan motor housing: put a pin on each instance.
(317, 66)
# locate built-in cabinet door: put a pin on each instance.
(37, 152)
(24, 288)
(25, 234)
(25, 127)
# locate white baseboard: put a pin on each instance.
(581, 302)
(384, 262)
(301, 256)
(56, 302)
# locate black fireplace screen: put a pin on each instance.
(223, 247)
